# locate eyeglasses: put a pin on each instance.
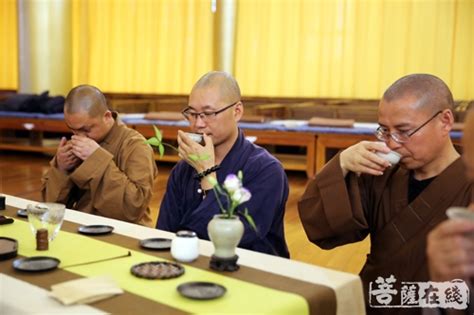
(205, 116)
(383, 134)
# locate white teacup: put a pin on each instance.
(392, 156)
(195, 136)
(185, 246)
(460, 213)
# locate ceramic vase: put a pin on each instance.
(225, 234)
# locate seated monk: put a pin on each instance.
(450, 248)
(359, 193)
(106, 168)
(189, 203)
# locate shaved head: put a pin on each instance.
(227, 86)
(430, 91)
(86, 98)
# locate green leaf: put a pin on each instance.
(153, 141)
(204, 157)
(212, 181)
(158, 134)
(161, 149)
(193, 157)
(249, 219)
(240, 175)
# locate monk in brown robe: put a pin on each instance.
(450, 248)
(358, 193)
(106, 168)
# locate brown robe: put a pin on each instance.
(337, 210)
(116, 181)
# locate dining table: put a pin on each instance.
(264, 284)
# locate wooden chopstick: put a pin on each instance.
(100, 260)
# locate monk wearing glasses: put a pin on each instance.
(359, 193)
(214, 110)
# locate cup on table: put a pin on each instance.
(47, 216)
(185, 246)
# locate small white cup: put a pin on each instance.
(194, 136)
(460, 213)
(185, 246)
(392, 156)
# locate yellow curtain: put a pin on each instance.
(8, 45)
(314, 48)
(143, 46)
(352, 48)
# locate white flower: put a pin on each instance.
(246, 195)
(241, 195)
(232, 183)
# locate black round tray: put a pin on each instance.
(8, 248)
(36, 263)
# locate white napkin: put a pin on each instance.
(85, 290)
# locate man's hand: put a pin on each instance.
(65, 158)
(450, 250)
(361, 158)
(83, 147)
(198, 156)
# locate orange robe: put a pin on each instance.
(116, 181)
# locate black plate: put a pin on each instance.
(8, 248)
(35, 264)
(156, 243)
(201, 290)
(157, 270)
(95, 229)
(22, 213)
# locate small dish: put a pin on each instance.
(8, 248)
(95, 229)
(36, 264)
(157, 270)
(156, 243)
(201, 290)
(22, 213)
(6, 220)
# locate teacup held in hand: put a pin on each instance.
(195, 136)
(392, 156)
(460, 213)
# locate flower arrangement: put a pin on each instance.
(157, 141)
(235, 194)
(232, 189)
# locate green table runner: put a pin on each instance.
(241, 296)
